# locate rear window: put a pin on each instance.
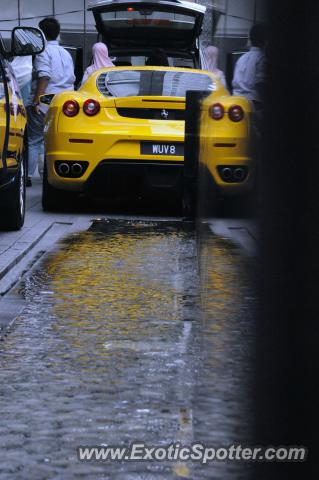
(131, 83)
(147, 18)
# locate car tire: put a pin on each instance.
(13, 200)
(54, 198)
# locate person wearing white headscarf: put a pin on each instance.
(211, 57)
(101, 59)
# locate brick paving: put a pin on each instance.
(15, 245)
(120, 339)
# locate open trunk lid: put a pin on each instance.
(159, 24)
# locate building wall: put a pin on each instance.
(226, 24)
(72, 14)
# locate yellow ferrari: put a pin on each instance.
(225, 143)
(123, 130)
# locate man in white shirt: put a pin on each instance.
(54, 73)
(249, 75)
(22, 67)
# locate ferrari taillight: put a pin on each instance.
(236, 113)
(216, 111)
(91, 107)
(71, 108)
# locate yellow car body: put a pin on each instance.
(24, 41)
(109, 139)
(12, 166)
(16, 124)
(226, 145)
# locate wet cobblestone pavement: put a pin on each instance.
(123, 340)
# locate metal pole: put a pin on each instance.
(84, 31)
(19, 12)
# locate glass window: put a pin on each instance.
(71, 21)
(36, 8)
(90, 22)
(220, 4)
(219, 25)
(147, 18)
(237, 27)
(127, 83)
(67, 6)
(241, 8)
(6, 29)
(31, 22)
(9, 10)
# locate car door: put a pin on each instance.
(11, 119)
(17, 119)
(4, 120)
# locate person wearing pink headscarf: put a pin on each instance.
(211, 56)
(101, 59)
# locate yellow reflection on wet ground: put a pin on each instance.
(121, 289)
(123, 340)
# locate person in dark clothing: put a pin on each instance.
(158, 58)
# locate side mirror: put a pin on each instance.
(26, 41)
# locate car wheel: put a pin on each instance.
(54, 198)
(13, 201)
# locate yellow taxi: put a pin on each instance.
(25, 41)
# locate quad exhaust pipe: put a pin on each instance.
(70, 169)
(76, 169)
(64, 169)
(233, 174)
(239, 174)
(226, 173)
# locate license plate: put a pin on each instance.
(161, 148)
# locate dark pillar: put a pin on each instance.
(287, 371)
